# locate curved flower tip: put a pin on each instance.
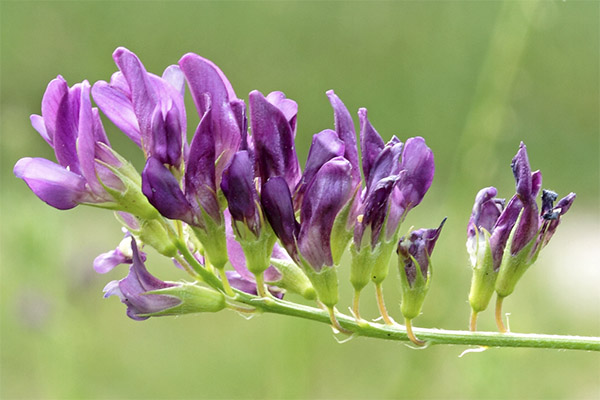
(486, 211)
(418, 162)
(288, 107)
(55, 185)
(133, 290)
(325, 146)
(344, 127)
(371, 143)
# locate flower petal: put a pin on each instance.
(325, 146)
(325, 196)
(276, 201)
(200, 176)
(52, 183)
(238, 187)
(344, 126)
(117, 106)
(274, 146)
(163, 192)
(288, 107)
(371, 144)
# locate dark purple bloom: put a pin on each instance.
(273, 139)
(325, 196)
(397, 177)
(73, 128)
(132, 290)
(325, 146)
(147, 108)
(238, 186)
(416, 249)
(211, 90)
(344, 127)
(164, 192)
(276, 201)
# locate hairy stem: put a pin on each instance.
(432, 336)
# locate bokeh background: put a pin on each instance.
(473, 78)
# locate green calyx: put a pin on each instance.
(341, 232)
(413, 296)
(131, 199)
(324, 282)
(213, 240)
(293, 279)
(370, 264)
(153, 233)
(257, 250)
(484, 277)
(514, 266)
(194, 299)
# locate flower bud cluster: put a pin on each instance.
(505, 239)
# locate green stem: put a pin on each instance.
(203, 274)
(431, 336)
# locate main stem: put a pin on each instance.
(430, 336)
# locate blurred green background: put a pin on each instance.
(473, 78)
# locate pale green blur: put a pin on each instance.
(473, 78)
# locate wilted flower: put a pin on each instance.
(414, 264)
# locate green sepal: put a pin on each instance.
(257, 250)
(293, 279)
(484, 277)
(213, 240)
(153, 233)
(413, 296)
(513, 267)
(194, 299)
(131, 199)
(341, 231)
(325, 283)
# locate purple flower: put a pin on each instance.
(415, 252)
(239, 190)
(199, 194)
(105, 262)
(503, 241)
(211, 90)
(325, 196)
(147, 108)
(273, 137)
(397, 177)
(325, 146)
(133, 290)
(414, 263)
(87, 168)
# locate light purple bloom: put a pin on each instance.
(132, 290)
(105, 262)
(147, 108)
(73, 128)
